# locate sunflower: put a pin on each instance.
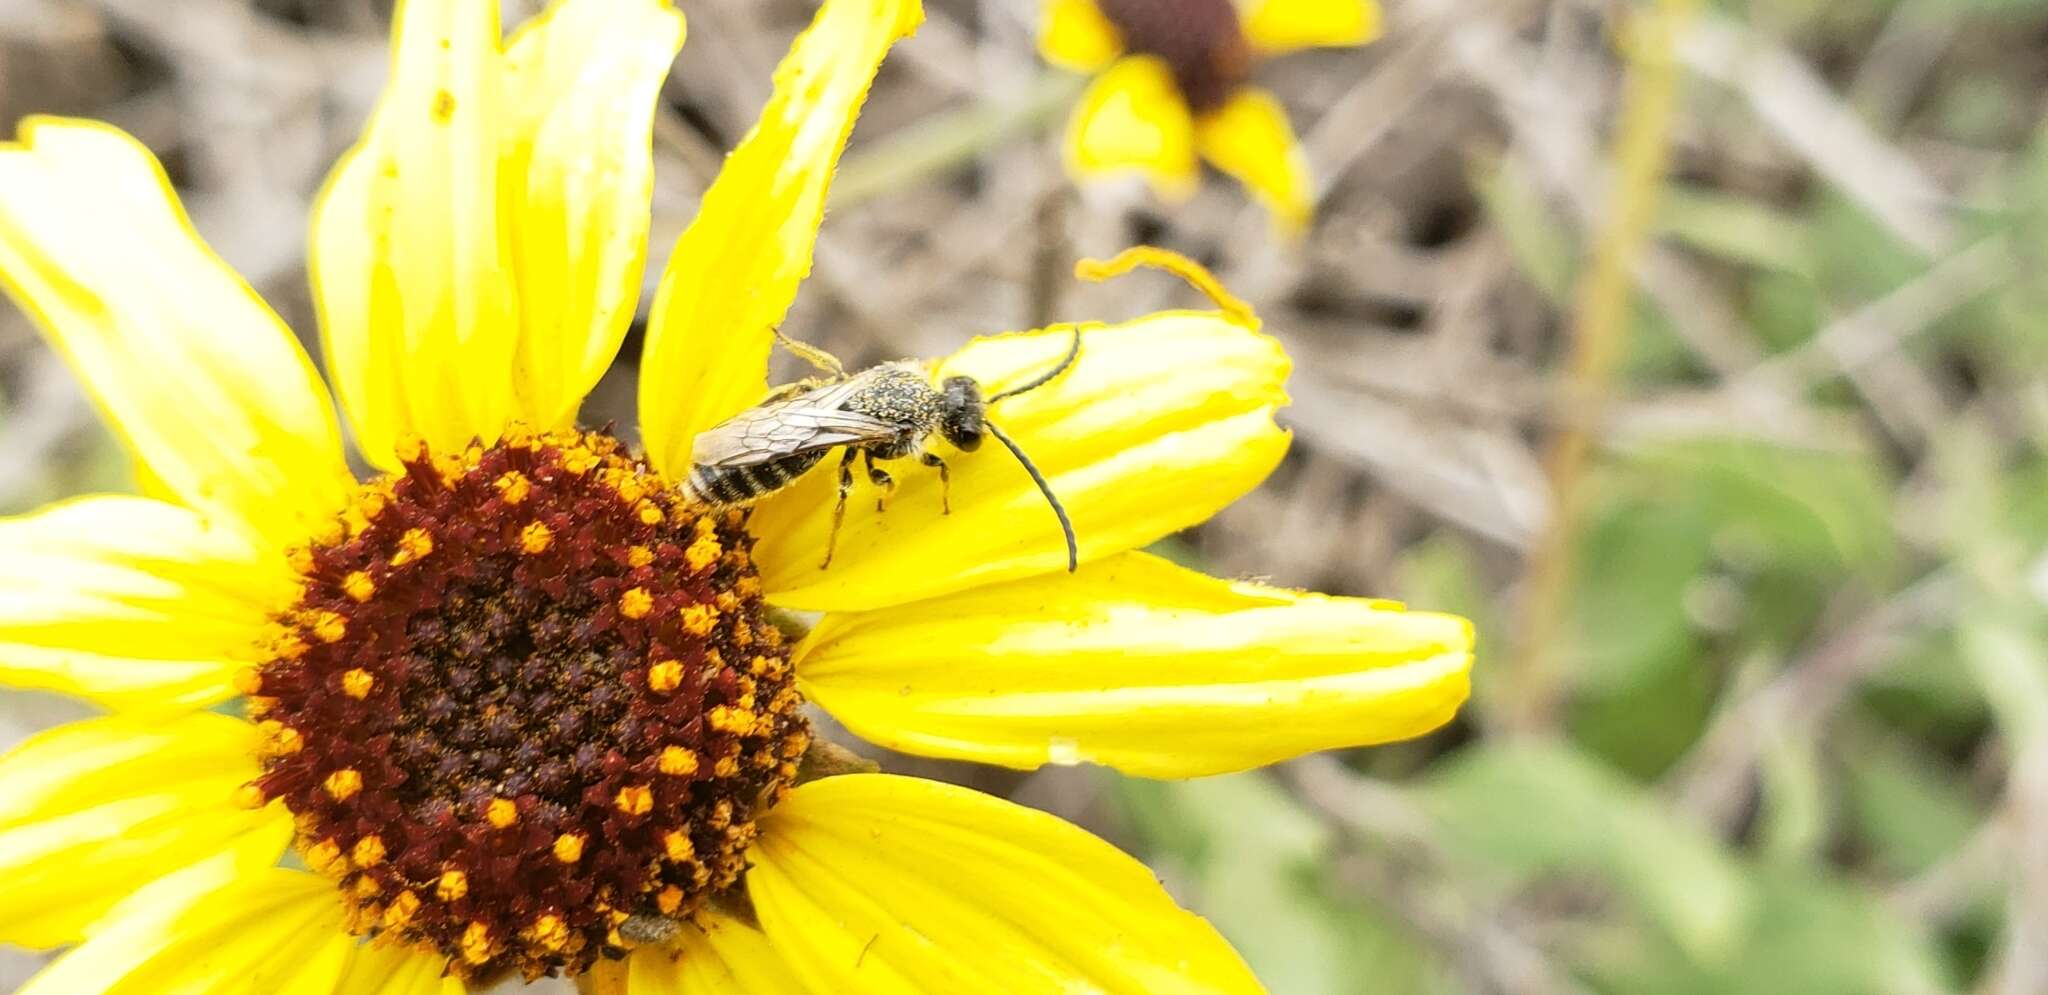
(1171, 85)
(510, 703)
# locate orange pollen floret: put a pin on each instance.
(451, 886)
(501, 813)
(324, 858)
(699, 619)
(367, 887)
(251, 797)
(413, 545)
(368, 851)
(670, 899)
(289, 646)
(402, 909)
(639, 556)
(476, 943)
(579, 461)
(726, 766)
(329, 627)
(726, 718)
(358, 586)
(702, 553)
(513, 486)
(665, 676)
(281, 739)
(357, 683)
(343, 784)
(535, 539)
(649, 514)
(678, 845)
(634, 799)
(636, 603)
(248, 681)
(678, 762)
(300, 559)
(411, 448)
(569, 848)
(549, 931)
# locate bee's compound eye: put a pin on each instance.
(962, 413)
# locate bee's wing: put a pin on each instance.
(805, 423)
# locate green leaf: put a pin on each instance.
(1634, 563)
(1529, 810)
(1811, 935)
(1258, 865)
(1735, 228)
(1909, 813)
(1828, 510)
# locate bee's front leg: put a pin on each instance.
(879, 477)
(945, 481)
(839, 509)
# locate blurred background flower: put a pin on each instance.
(1173, 83)
(1786, 733)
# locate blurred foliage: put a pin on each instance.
(1725, 578)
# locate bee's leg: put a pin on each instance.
(879, 477)
(839, 509)
(945, 481)
(812, 354)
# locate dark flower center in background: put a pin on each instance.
(528, 693)
(1202, 40)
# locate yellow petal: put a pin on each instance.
(214, 927)
(874, 883)
(1286, 25)
(1133, 119)
(1250, 138)
(580, 87)
(212, 394)
(130, 602)
(724, 957)
(1161, 422)
(380, 969)
(1075, 35)
(736, 268)
(92, 810)
(1140, 665)
(411, 265)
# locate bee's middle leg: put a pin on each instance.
(879, 477)
(945, 481)
(839, 509)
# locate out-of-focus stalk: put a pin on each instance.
(1601, 316)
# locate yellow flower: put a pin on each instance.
(1171, 86)
(455, 670)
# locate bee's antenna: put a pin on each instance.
(1066, 526)
(1073, 351)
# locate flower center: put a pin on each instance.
(1202, 40)
(528, 692)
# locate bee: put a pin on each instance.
(884, 412)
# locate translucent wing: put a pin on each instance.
(810, 421)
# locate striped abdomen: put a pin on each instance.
(729, 485)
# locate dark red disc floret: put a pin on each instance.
(528, 692)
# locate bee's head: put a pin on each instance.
(961, 417)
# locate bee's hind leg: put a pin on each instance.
(945, 481)
(839, 509)
(879, 477)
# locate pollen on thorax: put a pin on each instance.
(502, 713)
